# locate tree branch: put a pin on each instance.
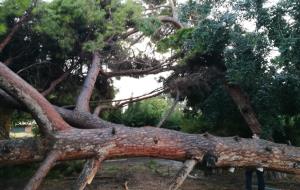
(16, 27)
(171, 20)
(170, 111)
(43, 112)
(54, 83)
(45, 167)
(90, 169)
(182, 174)
(243, 103)
(82, 103)
(120, 104)
(159, 143)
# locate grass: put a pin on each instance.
(20, 134)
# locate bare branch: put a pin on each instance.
(82, 103)
(45, 167)
(90, 169)
(55, 83)
(124, 102)
(174, 9)
(170, 111)
(182, 174)
(171, 20)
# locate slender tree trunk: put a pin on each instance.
(188, 166)
(5, 122)
(168, 113)
(243, 103)
(37, 179)
(84, 97)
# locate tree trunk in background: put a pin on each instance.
(243, 103)
(5, 122)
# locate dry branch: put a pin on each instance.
(170, 111)
(45, 167)
(182, 174)
(90, 169)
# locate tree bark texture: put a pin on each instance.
(155, 142)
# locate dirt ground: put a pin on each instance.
(153, 174)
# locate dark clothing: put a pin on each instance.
(260, 180)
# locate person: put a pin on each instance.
(260, 178)
(259, 175)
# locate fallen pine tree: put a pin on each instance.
(60, 141)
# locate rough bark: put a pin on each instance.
(45, 167)
(45, 115)
(84, 97)
(155, 142)
(182, 174)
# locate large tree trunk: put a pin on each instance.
(154, 142)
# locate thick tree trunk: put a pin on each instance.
(155, 142)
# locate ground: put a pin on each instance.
(146, 174)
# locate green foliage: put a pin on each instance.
(175, 41)
(218, 47)
(3, 28)
(146, 113)
(148, 25)
(86, 21)
(9, 11)
(69, 21)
